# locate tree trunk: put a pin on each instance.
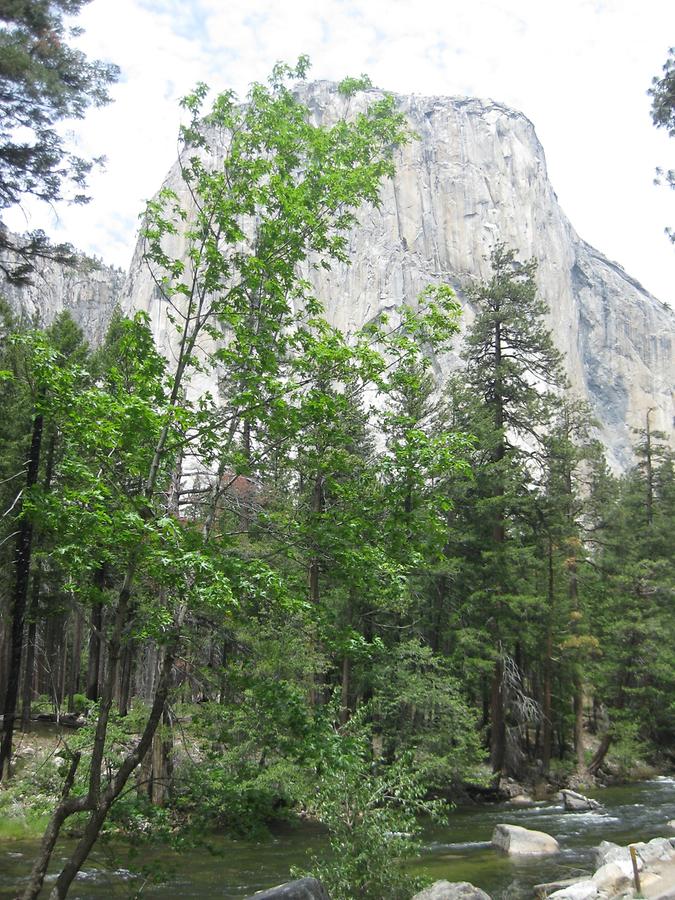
(160, 762)
(345, 709)
(547, 710)
(497, 724)
(75, 662)
(124, 680)
(20, 595)
(579, 721)
(34, 603)
(51, 834)
(95, 636)
(28, 674)
(600, 754)
(98, 805)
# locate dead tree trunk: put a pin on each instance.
(600, 754)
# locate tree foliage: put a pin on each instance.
(44, 81)
(662, 93)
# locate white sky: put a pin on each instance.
(579, 69)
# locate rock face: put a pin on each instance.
(452, 890)
(514, 839)
(88, 291)
(476, 174)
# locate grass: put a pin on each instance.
(16, 828)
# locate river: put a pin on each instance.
(458, 851)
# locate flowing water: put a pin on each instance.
(458, 851)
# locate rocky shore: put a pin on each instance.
(644, 869)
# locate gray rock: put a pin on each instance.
(302, 889)
(613, 878)
(651, 880)
(608, 852)
(580, 890)
(548, 887)
(511, 788)
(452, 890)
(655, 851)
(514, 839)
(575, 802)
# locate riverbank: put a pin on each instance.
(457, 850)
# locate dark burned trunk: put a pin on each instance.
(314, 569)
(346, 676)
(547, 706)
(22, 559)
(160, 758)
(95, 643)
(578, 699)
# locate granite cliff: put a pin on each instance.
(475, 173)
(89, 291)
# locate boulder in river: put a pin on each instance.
(452, 890)
(302, 889)
(514, 839)
(575, 802)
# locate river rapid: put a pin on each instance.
(458, 851)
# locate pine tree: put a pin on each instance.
(43, 81)
(513, 372)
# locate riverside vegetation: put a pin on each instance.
(338, 589)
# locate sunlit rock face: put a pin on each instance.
(476, 174)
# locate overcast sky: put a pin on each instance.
(579, 69)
